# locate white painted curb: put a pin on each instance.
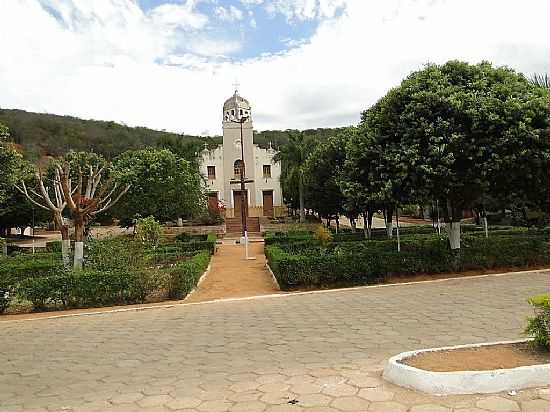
(465, 382)
(201, 279)
(273, 278)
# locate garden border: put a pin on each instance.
(273, 295)
(201, 279)
(464, 382)
(273, 277)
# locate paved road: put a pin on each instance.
(324, 351)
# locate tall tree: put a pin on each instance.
(448, 130)
(321, 172)
(11, 164)
(162, 185)
(292, 157)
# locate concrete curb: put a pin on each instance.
(201, 279)
(273, 278)
(282, 295)
(465, 382)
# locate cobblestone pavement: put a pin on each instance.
(315, 352)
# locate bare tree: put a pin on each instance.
(86, 199)
(41, 198)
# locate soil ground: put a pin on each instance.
(231, 276)
(481, 359)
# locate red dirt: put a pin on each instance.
(480, 359)
(233, 277)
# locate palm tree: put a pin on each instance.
(540, 80)
(292, 157)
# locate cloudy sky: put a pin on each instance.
(170, 64)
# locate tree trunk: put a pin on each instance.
(78, 243)
(453, 231)
(302, 201)
(365, 225)
(397, 230)
(353, 224)
(337, 225)
(485, 226)
(65, 240)
(389, 221)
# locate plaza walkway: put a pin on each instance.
(231, 276)
(318, 352)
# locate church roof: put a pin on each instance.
(236, 101)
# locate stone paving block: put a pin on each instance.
(304, 388)
(339, 390)
(376, 394)
(387, 407)
(154, 400)
(126, 398)
(535, 405)
(313, 399)
(430, 408)
(214, 406)
(350, 404)
(183, 403)
(544, 393)
(273, 387)
(497, 404)
(252, 406)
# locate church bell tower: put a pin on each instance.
(237, 113)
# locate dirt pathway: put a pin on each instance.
(231, 276)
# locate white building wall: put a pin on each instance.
(265, 157)
(214, 158)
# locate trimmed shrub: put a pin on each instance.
(53, 246)
(16, 268)
(539, 326)
(185, 275)
(188, 237)
(307, 264)
(88, 288)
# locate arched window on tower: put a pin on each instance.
(237, 169)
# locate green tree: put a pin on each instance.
(321, 171)
(162, 185)
(292, 157)
(11, 164)
(447, 133)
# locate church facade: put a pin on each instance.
(221, 167)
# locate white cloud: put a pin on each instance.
(230, 13)
(304, 9)
(107, 59)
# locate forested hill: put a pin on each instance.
(50, 135)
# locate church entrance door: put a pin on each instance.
(237, 201)
(268, 203)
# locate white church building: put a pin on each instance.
(223, 165)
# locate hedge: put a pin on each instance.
(17, 268)
(357, 263)
(88, 288)
(539, 325)
(185, 275)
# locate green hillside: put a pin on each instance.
(42, 135)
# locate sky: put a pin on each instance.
(170, 64)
